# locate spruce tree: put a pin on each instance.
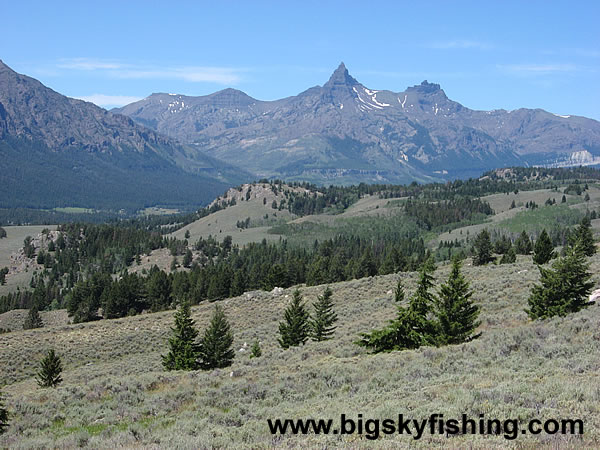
(33, 319)
(456, 313)
(295, 329)
(187, 258)
(523, 244)
(215, 345)
(50, 369)
(184, 350)
(563, 289)
(3, 416)
(543, 251)
(483, 249)
(584, 237)
(255, 351)
(321, 323)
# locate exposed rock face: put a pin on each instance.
(345, 132)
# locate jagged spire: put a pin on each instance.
(341, 77)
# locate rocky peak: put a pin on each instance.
(340, 77)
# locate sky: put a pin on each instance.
(484, 54)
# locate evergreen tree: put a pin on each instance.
(543, 251)
(187, 258)
(483, 249)
(50, 369)
(158, 287)
(3, 416)
(509, 257)
(563, 289)
(184, 350)
(294, 331)
(412, 327)
(399, 293)
(456, 313)
(33, 319)
(584, 237)
(321, 323)
(215, 345)
(255, 351)
(523, 244)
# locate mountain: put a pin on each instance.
(344, 132)
(58, 151)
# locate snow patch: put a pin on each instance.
(403, 102)
(562, 117)
(342, 106)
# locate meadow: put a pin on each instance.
(115, 393)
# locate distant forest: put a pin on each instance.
(85, 269)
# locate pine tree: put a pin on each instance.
(187, 258)
(399, 293)
(3, 416)
(324, 317)
(584, 237)
(509, 257)
(543, 251)
(456, 313)
(563, 289)
(294, 331)
(33, 319)
(255, 351)
(50, 369)
(523, 244)
(184, 351)
(483, 249)
(215, 345)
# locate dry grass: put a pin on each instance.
(116, 395)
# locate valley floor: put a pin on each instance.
(116, 395)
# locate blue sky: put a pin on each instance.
(485, 54)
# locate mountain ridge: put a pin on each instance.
(344, 127)
(59, 151)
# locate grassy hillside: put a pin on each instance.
(11, 244)
(116, 395)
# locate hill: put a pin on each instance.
(61, 152)
(345, 133)
(115, 393)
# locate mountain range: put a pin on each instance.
(182, 151)
(344, 132)
(57, 151)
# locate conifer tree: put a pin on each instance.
(523, 244)
(295, 329)
(509, 257)
(50, 369)
(399, 292)
(184, 350)
(456, 313)
(543, 251)
(187, 258)
(584, 236)
(563, 289)
(3, 416)
(483, 249)
(412, 327)
(255, 351)
(33, 319)
(215, 345)
(321, 323)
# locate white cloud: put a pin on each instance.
(538, 69)
(460, 44)
(218, 75)
(109, 100)
(194, 74)
(88, 64)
